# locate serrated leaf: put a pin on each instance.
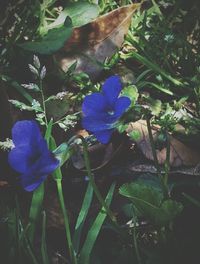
(52, 41)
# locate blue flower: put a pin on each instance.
(102, 110)
(30, 156)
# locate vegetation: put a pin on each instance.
(100, 132)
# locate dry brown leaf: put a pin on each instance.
(92, 43)
(180, 154)
(3, 183)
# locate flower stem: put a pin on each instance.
(91, 179)
(66, 221)
(167, 162)
(43, 103)
(135, 242)
(35, 210)
(162, 180)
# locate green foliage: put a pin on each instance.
(149, 202)
(95, 229)
(52, 41)
(80, 13)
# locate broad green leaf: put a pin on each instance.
(146, 194)
(168, 211)
(52, 41)
(148, 201)
(80, 13)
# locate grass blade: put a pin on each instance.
(45, 258)
(94, 230)
(82, 216)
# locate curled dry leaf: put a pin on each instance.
(92, 43)
(100, 155)
(180, 154)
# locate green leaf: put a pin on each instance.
(82, 216)
(135, 135)
(80, 13)
(52, 41)
(149, 202)
(156, 68)
(63, 153)
(168, 211)
(131, 92)
(95, 229)
(35, 210)
(44, 252)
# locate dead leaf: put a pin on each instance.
(92, 43)
(100, 155)
(3, 184)
(180, 154)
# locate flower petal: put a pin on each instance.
(18, 158)
(46, 162)
(25, 132)
(31, 182)
(93, 123)
(104, 135)
(111, 89)
(121, 105)
(93, 104)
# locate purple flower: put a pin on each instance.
(30, 156)
(102, 110)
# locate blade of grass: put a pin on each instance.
(82, 216)
(44, 253)
(18, 87)
(95, 229)
(157, 86)
(152, 66)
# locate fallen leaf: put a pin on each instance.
(180, 154)
(92, 43)
(100, 155)
(3, 183)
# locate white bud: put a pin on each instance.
(31, 86)
(36, 62)
(43, 72)
(33, 70)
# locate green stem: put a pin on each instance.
(43, 103)
(167, 162)
(163, 185)
(91, 179)
(36, 206)
(66, 221)
(135, 242)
